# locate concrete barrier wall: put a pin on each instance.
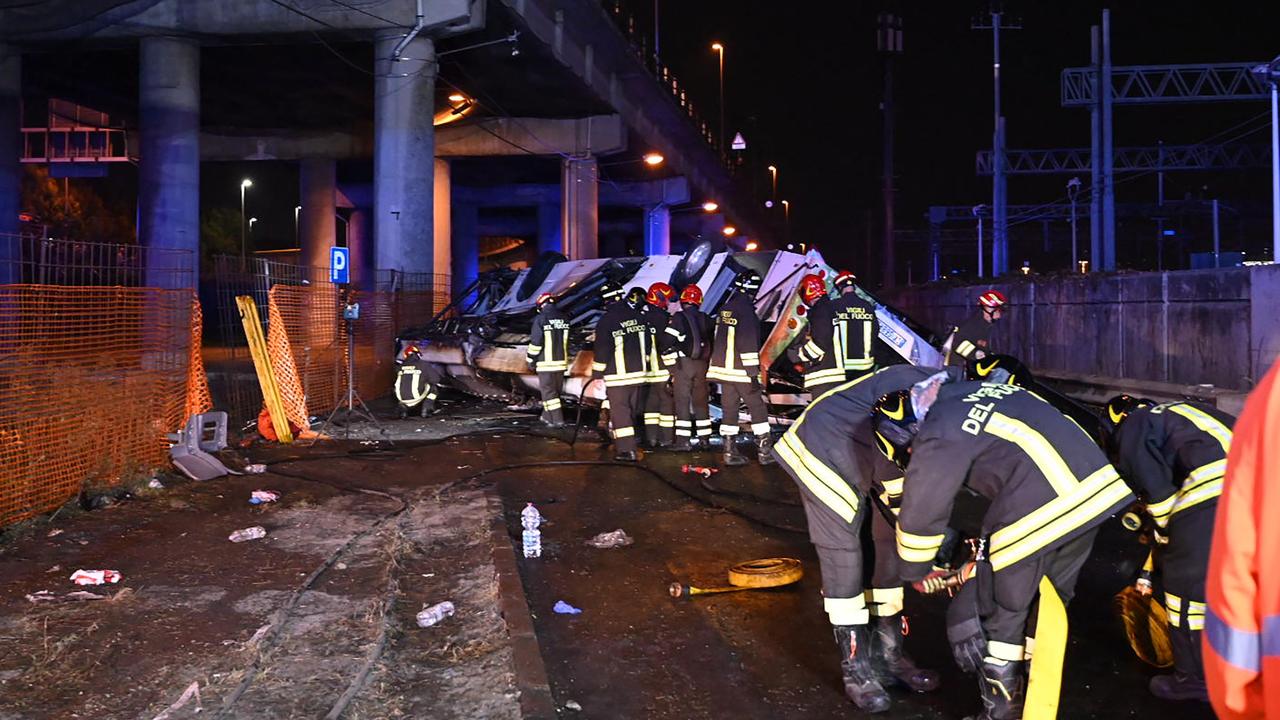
(1220, 327)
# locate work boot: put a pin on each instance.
(403, 412)
(427, 409)
(733, 457)
(1003, 689)
(763, 453)
(681, 445)
(893, 665)
(1187, 680)
(626, 456)
(860, 684)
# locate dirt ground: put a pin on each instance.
(319, 615)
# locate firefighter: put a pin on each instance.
(1173, 456)
(970, 339)
(659, 407)
(735, 362)
(549, 356)
(831, 455)
(1050, 487)
(417, 383)
(621, 359)
(686, 349)
(841, 337)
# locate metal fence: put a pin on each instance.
(35, 260)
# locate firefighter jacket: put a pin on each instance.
(549, 341)
(969, 338)
(735, 352)
(1241, 640)
(688, 335)
(1048, 482)
(658, 320)
(416, 380)
(840, 340)
(1173, 456)
(840, 418)
(622, 346)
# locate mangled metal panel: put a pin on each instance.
(657, 268)
(561, 277)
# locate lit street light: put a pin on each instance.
(729, 230)
(752, 246)
(786, 219)
(717, 47)
(296, 239)
(710, 206)
(653, 159)
(245, 184)
(773, 174)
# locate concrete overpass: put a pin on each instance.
(578, 94)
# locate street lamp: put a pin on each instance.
(773, 174)
(718, 48)
(752, 246)
(1270, 73)
(296, 240)
(653, 159)
(245, 184)
(729, 230)
(710, 206)
(786, 219)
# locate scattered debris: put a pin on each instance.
(434, 614)
(565, 608)
(102, 501)
(573, 705)
(193, 690)
(428, 575)
(50, 596)
(54, 569)
(258, 634)
(705, 472)
(255, 469)
(607, 540)
(155, 484)
(530, 518)
(263, 496)
(249, 533)
(341, 566)
(55, 532)
(95, 577)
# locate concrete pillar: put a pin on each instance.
(581, 207)
(443, 201)
(169, 163)
(404, 154)
(360, 243)
(10, 168)
(466, 246)
(317, 224)
(657, 230)
(549, 236)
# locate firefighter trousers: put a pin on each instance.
(659, 414)
(623, 400)
(750, 393)
(551, 385)
(1182, 565)
(690, 391)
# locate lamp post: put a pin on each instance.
(720, 49)
(245, 184)
(1270, 73)
(252, 220)
(786, 219)
(1073, 188)
(773, 175)
(296, 239)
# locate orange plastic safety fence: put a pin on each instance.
(91, 380)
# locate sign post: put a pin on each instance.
(339, 265)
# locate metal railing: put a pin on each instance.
(35, 260)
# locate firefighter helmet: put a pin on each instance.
(812, 289)
(845, 279)
(895, 426)
(410, 351)
(1004, 369)
(610, 291)
(992, 300)
(691, 295)
(747, 281)
(635, 296)
(1119, 407)
(545, 299)
(660, 294)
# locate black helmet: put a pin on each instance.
(610, 291)
(636, 297)
(747, 281)
(895, 426)
(1004, 369)
(1119, 407)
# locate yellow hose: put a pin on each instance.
(750, 575)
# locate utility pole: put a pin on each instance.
(995, 21)
(657, 35)
(1160, 207)
(889, 43)
(1073, 189)
(1217, 248)
(1108, 152)
(1095, 151)
(1270, 73)
(977, 215)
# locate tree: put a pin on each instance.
(73, 210)
(219, 234)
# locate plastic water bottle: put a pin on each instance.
(434, 614)
(250, 533)
(530, 518)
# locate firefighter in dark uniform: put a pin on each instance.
(1174, 456)
(549, 356)
(659, 407)
(621, 359)
(686, 349)
(969, 341)
(735, 363)
(841, 337)
(417, 383)
(831, 455)
(1050, 488)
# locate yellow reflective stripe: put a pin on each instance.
(825, 484)
(729, 336)
(415, 394)
(812, 351)
(1207, 423)
(836, 389)
(1058, 518)
(1008, 652)
(598, 366)
(534, 350)
(624, 432)
(728, 375)
(552, 404)
(1202, 484)
(917, 548)
(823, 377)
(728, 430)
(1041, 452)
(674, 333)
(893, 487)
(1201, 493)
(546, 341)
(619, 355)
(759, 428)
(1161, 511)
(884, 602)
(846, 611)
(965, 348)
(550, 366)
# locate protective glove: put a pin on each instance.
(940, 580)
(1143, 585)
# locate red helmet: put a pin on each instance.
(845, 279)
(992, 300)
(544, 298)
(660, 294)
(691, 295)
(812, 288)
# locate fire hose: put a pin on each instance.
(751, 575)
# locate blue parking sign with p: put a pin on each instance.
(339, 265)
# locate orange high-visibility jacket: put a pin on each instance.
(1242, 625)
